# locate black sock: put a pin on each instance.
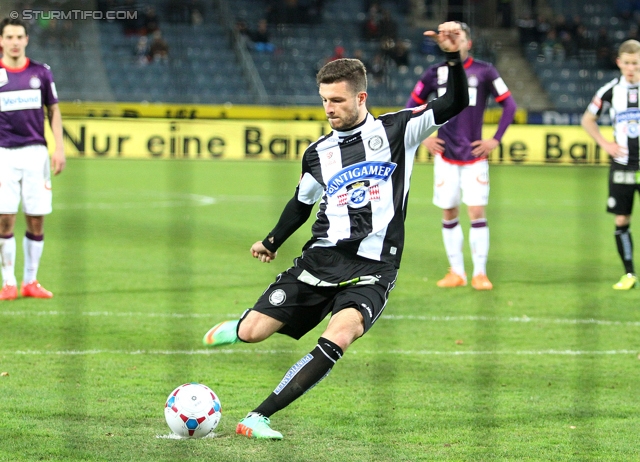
(302, 377)
(625, 247)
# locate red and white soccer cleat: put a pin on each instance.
(8, 292)
(35, 290)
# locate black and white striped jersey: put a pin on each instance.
(361, 178)
(620, 98)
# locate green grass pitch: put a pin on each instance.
(145, 256)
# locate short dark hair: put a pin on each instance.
(13, 22)
(347, 70)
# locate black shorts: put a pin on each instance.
(323, 281)
(623, 184)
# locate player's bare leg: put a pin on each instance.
(453, 239)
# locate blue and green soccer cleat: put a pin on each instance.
(224, 333)
(257, 426)
(626, 282)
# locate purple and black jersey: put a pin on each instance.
(465, 128)
(23, 94)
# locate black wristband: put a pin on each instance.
(270, 246)
(452, 57)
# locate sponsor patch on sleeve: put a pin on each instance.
(500, 86)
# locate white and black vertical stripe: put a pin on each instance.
(364, 214)
(632, 141)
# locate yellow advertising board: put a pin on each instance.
(277, 140)
(225, 111)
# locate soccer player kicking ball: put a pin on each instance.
(460, 162)
(25, 87)
(360, 172)
(620, 98)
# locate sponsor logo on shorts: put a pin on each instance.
(364, 305)
(277, 297)
(482, 178)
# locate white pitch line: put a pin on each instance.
(391, 317)
(181, 201)
(516, 319)
(351, 352)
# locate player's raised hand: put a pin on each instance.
(448, 36)
(259, 251)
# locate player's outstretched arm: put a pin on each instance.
(456, 96)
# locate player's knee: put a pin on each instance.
(623, 220)
(345, 328)
(256, 327)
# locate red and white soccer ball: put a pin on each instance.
(192, 410)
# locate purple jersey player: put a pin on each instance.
(461, 169)
(26, 87)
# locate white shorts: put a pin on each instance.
(449, 179)
(25, 175)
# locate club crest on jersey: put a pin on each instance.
(375, 143)
(360, 172)
(633, 95)
(473, 80)
(34, 82)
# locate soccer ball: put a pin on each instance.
(192, 410)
